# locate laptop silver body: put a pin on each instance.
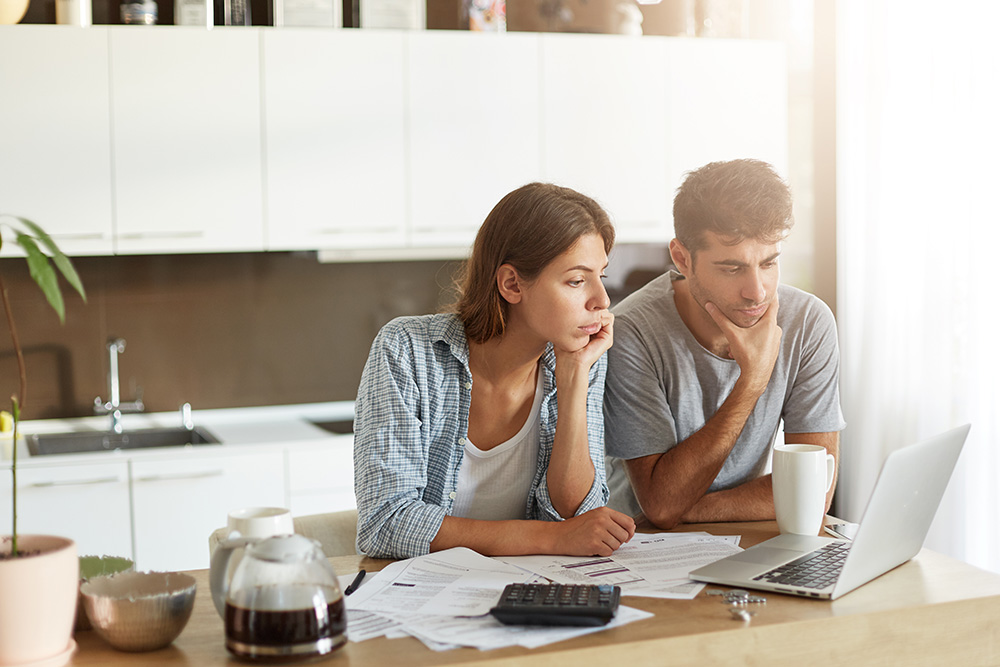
(892, 530)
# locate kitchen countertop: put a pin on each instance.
(234, 427)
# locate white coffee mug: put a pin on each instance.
(801, 476)
(260, 522)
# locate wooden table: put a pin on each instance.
(933, 610)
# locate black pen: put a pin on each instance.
(354, 584)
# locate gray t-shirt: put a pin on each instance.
(662, 385)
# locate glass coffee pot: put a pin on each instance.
(281, 601)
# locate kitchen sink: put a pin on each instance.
(43, 444)
(340, 427)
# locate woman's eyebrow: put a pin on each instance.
(584, 267)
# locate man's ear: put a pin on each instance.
(509, 284)
(681, 257)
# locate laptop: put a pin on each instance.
(892, 531)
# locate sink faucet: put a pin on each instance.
(114, 406)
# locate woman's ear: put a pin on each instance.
(509, 284)
(681, 257)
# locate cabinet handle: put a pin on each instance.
(369, 230)
(443, 230)
(163, 235)
(76, 482)
(181, 475)
(94, 236)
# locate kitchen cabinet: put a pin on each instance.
(158, 506)
(179, 500)
(321, 478)
(175, 139)
(741, 106)
(605, 126)
(335, 139)
(86, 502)
(187, 139)
(55, 147)
(159, 509)
(474, 129)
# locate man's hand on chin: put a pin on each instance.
(754, 348)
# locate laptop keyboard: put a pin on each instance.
(817, 569)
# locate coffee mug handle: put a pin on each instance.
(831, 467)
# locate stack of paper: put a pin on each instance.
(447, 595)
(649, 565)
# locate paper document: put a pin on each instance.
(663, 557)
(487, 633)
(362, 625)
(574, 569)
(454, 582)
(651, 565)
(443, 599)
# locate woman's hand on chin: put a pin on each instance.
(598, 344)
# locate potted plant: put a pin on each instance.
(39, 574)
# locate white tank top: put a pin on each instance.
(494, 484)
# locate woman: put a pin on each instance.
(460, 436)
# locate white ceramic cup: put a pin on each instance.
(260, 522)
(801, 476)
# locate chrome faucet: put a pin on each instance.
(114, 406)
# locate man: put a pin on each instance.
(709, 359)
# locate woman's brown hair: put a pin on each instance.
(527, 229)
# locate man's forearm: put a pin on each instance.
(751, 501)
(669, 485)
(754, 500)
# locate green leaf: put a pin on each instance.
(43, 274)
(34, 229)
(69, 273)
(58, 257)
(15, 409)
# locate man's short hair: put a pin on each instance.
(737, 200)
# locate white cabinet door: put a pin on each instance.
(187, 139)
(55, 148)
(740, 109)
(321, 479)
(86, 502)
(178, 502)
(473, 103)
(605, 126)
(333, 107)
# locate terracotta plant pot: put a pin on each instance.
(39, 598)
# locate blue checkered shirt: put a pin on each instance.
(411, 420)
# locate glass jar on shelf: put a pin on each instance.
(139, 12)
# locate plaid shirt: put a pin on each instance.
(411, 421)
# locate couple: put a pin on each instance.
(461, 438)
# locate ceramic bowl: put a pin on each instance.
(139, 611)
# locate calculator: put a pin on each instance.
(557, 604)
